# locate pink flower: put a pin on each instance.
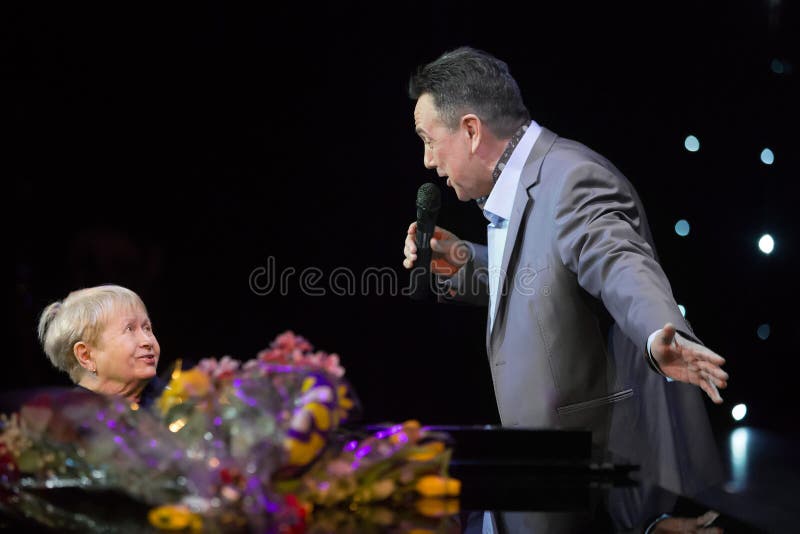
(217, 369)
(290, 349)
(288, 341)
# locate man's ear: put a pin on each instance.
(473, 130)
(83, 354)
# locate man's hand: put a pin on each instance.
(688, 525)
(449, 253)
(684, 360)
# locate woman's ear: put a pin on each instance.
(83, 354)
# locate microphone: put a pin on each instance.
(428, 204)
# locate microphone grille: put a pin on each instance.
(429, 196)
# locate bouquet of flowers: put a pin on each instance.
(225, 446)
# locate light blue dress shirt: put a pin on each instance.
(498, 210)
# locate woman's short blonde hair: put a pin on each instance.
(80, 317)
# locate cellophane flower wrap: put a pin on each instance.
(226, 445)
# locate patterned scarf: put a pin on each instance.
(501, 163)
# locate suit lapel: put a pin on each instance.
(528, 178)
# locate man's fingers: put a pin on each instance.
(410, 248)
(703, 354)
(710, 389)
(712, 392)
(707, 518)
(712, 370)
(719, 382)
(667, 334)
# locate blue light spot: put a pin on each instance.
(682, 228)
(763, 331)
(777, 66)
(691, 143)
(767, 157)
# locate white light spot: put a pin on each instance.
(767, 157)
(682, 228)
(763, 331)
(738, 454)
(766, 244)
(739, 411)
(682, 309)
(691, 143)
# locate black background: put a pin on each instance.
(174, 147)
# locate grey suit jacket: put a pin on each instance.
(581, 291)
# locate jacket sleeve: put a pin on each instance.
(600, 238)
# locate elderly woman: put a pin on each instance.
(102, 337)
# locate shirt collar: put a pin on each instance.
(507, 171)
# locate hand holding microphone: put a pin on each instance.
(448, 252)
(429, 248)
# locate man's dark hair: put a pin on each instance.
(467, 80)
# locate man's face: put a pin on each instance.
(449, 153)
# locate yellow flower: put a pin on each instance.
(194, 383)
(182, 386)
(344, 401)
(175, 517)
(377, 491)
(427, 452)
(320, 414)
(437, 486)
(434, 507)
(301, 452)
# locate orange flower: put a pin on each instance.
(437, 486)
(411, 433)
(435, 507)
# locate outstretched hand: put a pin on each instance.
(686, 361)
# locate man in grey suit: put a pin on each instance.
(583, 330)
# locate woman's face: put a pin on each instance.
(126, 353)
